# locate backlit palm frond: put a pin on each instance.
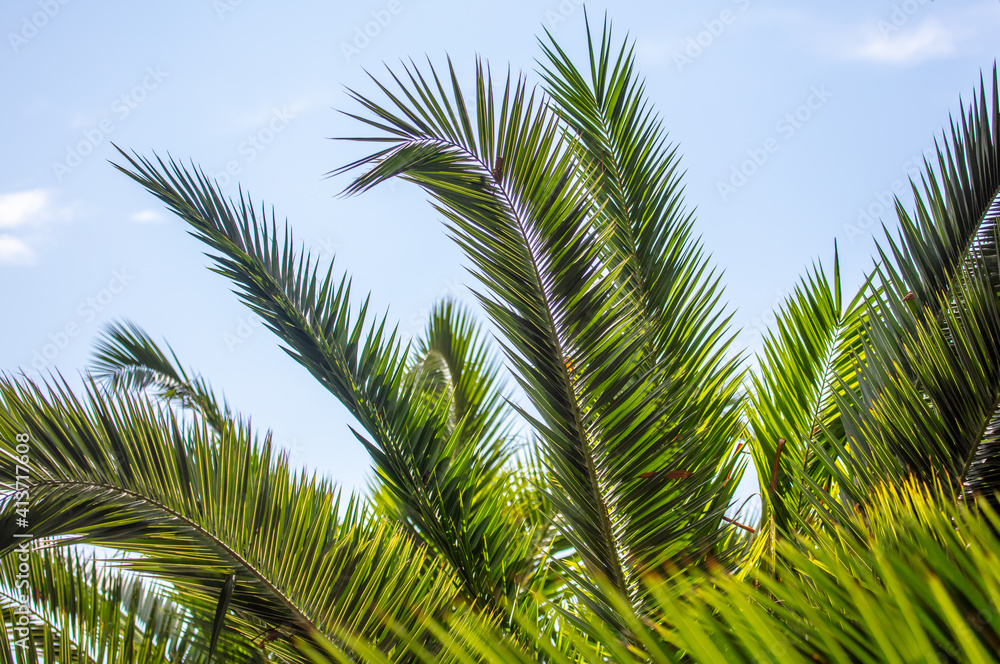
(632, 477)
(452, 501)
(201, 508)
(928, 391)
(795, 429)
(126, 357)
(68, 608)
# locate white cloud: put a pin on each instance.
(24, 215)
(928, 32)
(14, 251)
(898, 35)
(23, 207)
(928, 41)
(146, 216)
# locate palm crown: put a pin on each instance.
(871, 420)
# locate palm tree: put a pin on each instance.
(607, 532)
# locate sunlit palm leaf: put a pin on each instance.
(198, 506)
(630, 468)
(806, 361)
(448, 487)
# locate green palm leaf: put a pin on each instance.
(927, 397)
(68, 607)
(956, 214)
(113, 470)
(617, 439)
(125, 357)
(449, 488)
(914, 580)
(795, 428)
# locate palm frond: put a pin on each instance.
(452, 360)
(634, 470)
(198, 507)
(792, 407)
(926, 400)
(67, 607)
(452, 500)
(638, 184)
(614, 132)
(957, 206)
(126, 357)
(928, 390)
(915, 579)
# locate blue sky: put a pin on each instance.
(796, 121)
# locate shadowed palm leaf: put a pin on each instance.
(80, 610)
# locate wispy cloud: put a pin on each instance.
(930, 40)
(900, 34)
(146, 216)
(929, 32)
(14, 251)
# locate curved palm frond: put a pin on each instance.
(449, 488)
(200, 507)
(632, 476)
(67, 607)
(126, 357)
